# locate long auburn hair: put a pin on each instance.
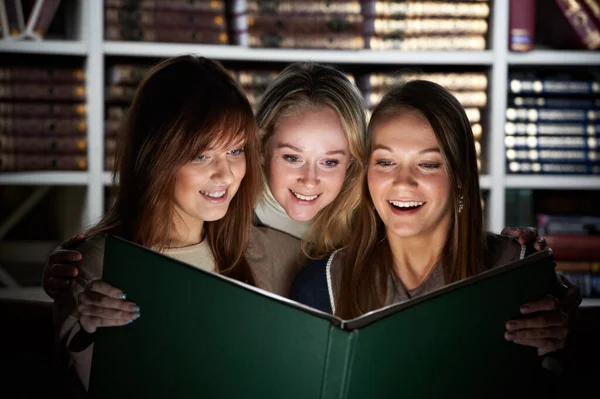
(304, 86)
(184, 106)
(368, 259)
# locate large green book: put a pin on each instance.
(203, 335)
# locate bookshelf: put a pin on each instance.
(89, 44)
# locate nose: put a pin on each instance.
(309, 175)
(221, 171)
(405, 176)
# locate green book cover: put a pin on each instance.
(203, 335)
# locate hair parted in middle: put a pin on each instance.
(368, 258)
(305, 86)
(184, 106)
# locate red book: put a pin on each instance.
(581, 22)
(522, 25)
(574, 248)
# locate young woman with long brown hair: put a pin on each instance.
(420, 219)
(189, 174)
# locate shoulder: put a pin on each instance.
(268, 242)
(310, 287)
(501, 249)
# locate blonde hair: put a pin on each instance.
(304, 86)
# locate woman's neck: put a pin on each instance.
(415, 257)
(185, 234)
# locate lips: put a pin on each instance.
(406, 204)
(215, 197)
(305, 198)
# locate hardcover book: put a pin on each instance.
(205, 335)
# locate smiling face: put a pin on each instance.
(307, 160)
(205, 186)
(407, 179)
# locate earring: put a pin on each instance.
(460, 203)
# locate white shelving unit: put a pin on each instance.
(93, 49)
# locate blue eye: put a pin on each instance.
(383, 163)
(200, 158)
(429, 165)
(236, 152)
(291, 158)
(331, 163)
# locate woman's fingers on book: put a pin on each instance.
(523, 234)
(91, 323)
(559, 333)
(73, 242)
(61, 270)
(106, 289)
(545, 303)
(61, 256)
(572, 298)
(541, 320)
(540, 243)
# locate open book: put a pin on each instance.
(207, 336)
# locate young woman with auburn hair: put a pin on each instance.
(189, 173)
(420, 220)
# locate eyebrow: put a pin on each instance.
(386, 148)
(297, 149)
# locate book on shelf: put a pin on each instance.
(42, 91)
(553, 156)
(581, 22)
(197, 315)
(553, 102)
(303, 7)
(421, 26)
(159, 17)
(568, 224)
(552, 168)
(305, 24)
(212, 6)
(551, 129)
(551, 142)
(39, 19)
(119, 32)
(20, 146)
(437, 43)
(521, 21)
(42, 127)
(50, 74)
(532, 114)
(12, 20)
(448, 9)
(41, 162)
(452, 81)
(581, 266)
(42, 109)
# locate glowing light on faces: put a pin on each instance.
(407, 179)
(308, 157)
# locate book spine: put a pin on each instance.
(572, 225)
(42, 126)
(431, 9)
(553, 168)
(451, 81)
(43, 75)
(333, 41)
(550, 129)
(325, 24)
(41, 109)
(41, 17)
(42, 145)
(593, 7)
(551, 142)
(549, 102)
(120, 93)
(12, 18)
(164, 18)
(552, 115)
(552, 86)
(28, 91)
(554, 156)
(156, 34)
(447, 42)
(578, 267)
(387, 27)
(581, 23)
(303, 7)
(214, 6)
(522, 25)
(259, 79)
(126, 74)
(338, 363)
(21, 162)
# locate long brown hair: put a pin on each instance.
(184, 106)
(368, 260)
(303, 86)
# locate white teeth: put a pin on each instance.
(304, 197)
(216, 194)
(400, 204)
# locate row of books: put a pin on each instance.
(26, 19)
(558, 23)
(340, 24)
(575, 241)
(43, 124)
(553, 122)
